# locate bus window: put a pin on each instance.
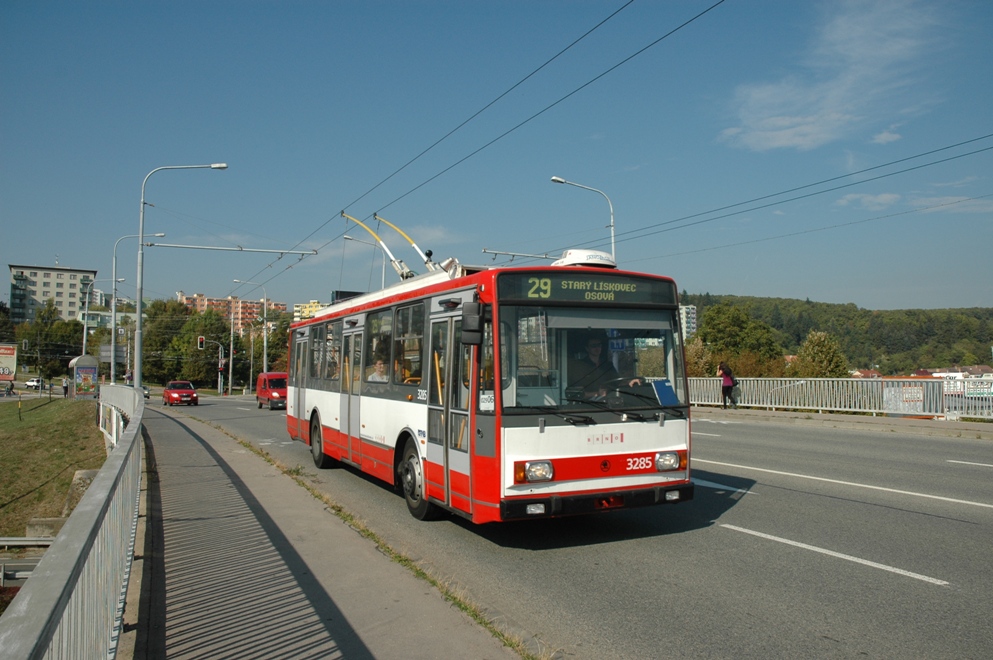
(317, 351)
(379, 337)
(439, 344)
(408, 344)
(332, 358)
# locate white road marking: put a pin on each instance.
(711, 435)
(838, 555)
(970, 463)
(717, 486)
(240, 408)
(848, 483)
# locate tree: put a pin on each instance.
(819, 356)
(164, 321)
(748, 346)
(6, 326)
(198, 366)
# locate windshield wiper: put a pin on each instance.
(627, 414)
(572, 419)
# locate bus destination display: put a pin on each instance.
(584, 287)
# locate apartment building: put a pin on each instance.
(240, 313)
(31, 287)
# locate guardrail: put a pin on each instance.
(73, 604)
(877, 396)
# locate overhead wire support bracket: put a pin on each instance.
(305, 253)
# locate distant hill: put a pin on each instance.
(899, 341)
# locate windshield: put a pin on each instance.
(590, 359)
(277, 383)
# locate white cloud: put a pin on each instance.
(863, 55)
(886, 137)
(869, 202)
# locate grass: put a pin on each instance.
(42, 443)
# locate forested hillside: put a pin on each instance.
(898, 341)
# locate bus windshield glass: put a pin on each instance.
(584, 358)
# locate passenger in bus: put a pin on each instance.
(379, 374)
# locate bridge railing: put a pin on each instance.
(73, 603)
(877, 396)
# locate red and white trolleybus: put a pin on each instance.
(502, 393)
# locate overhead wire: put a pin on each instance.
(452, 132)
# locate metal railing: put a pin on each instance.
(73, 603)
(877, 396)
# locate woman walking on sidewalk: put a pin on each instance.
(727, 385)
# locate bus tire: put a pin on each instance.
(321, 460)
(412, 482)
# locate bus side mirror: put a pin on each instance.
(472, 323)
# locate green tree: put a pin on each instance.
(819, 356)
(6, 326)
(164, 320)
(200, 367)
(750, 347)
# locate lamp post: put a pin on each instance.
(382, 282)
(558, 179)
(113, 310)
(265, 324)
(141, 259)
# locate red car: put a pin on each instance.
(179, 391)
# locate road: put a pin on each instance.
(801, 541)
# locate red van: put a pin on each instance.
(270, 389)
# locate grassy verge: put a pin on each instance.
(42, 443)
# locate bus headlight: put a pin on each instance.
(532, 471)
(667, 461)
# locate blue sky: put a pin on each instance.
(314, 105)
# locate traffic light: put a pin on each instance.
(200, 342)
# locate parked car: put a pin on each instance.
(34, 383)
(270, 389)
(180, 391)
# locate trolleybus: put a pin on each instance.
(477, 390)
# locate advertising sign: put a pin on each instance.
(86, 382)
(8, 362)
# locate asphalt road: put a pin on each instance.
(802, 541)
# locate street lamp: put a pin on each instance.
(558, 179)
(113, 310)
(265, 323)
(86, 307)
(382, 282)
(141, 258)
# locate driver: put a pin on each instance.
(594, 370)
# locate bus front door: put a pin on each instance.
(448, 476)
(351, 397)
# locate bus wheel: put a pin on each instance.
(321, 460)
(412, 481)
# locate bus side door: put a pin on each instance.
(351, 396)
(448, 474)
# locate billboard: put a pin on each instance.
(8, 362)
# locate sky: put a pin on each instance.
(835, 151)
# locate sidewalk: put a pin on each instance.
(910, 425)
(238, 561)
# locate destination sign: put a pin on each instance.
(571, 286)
